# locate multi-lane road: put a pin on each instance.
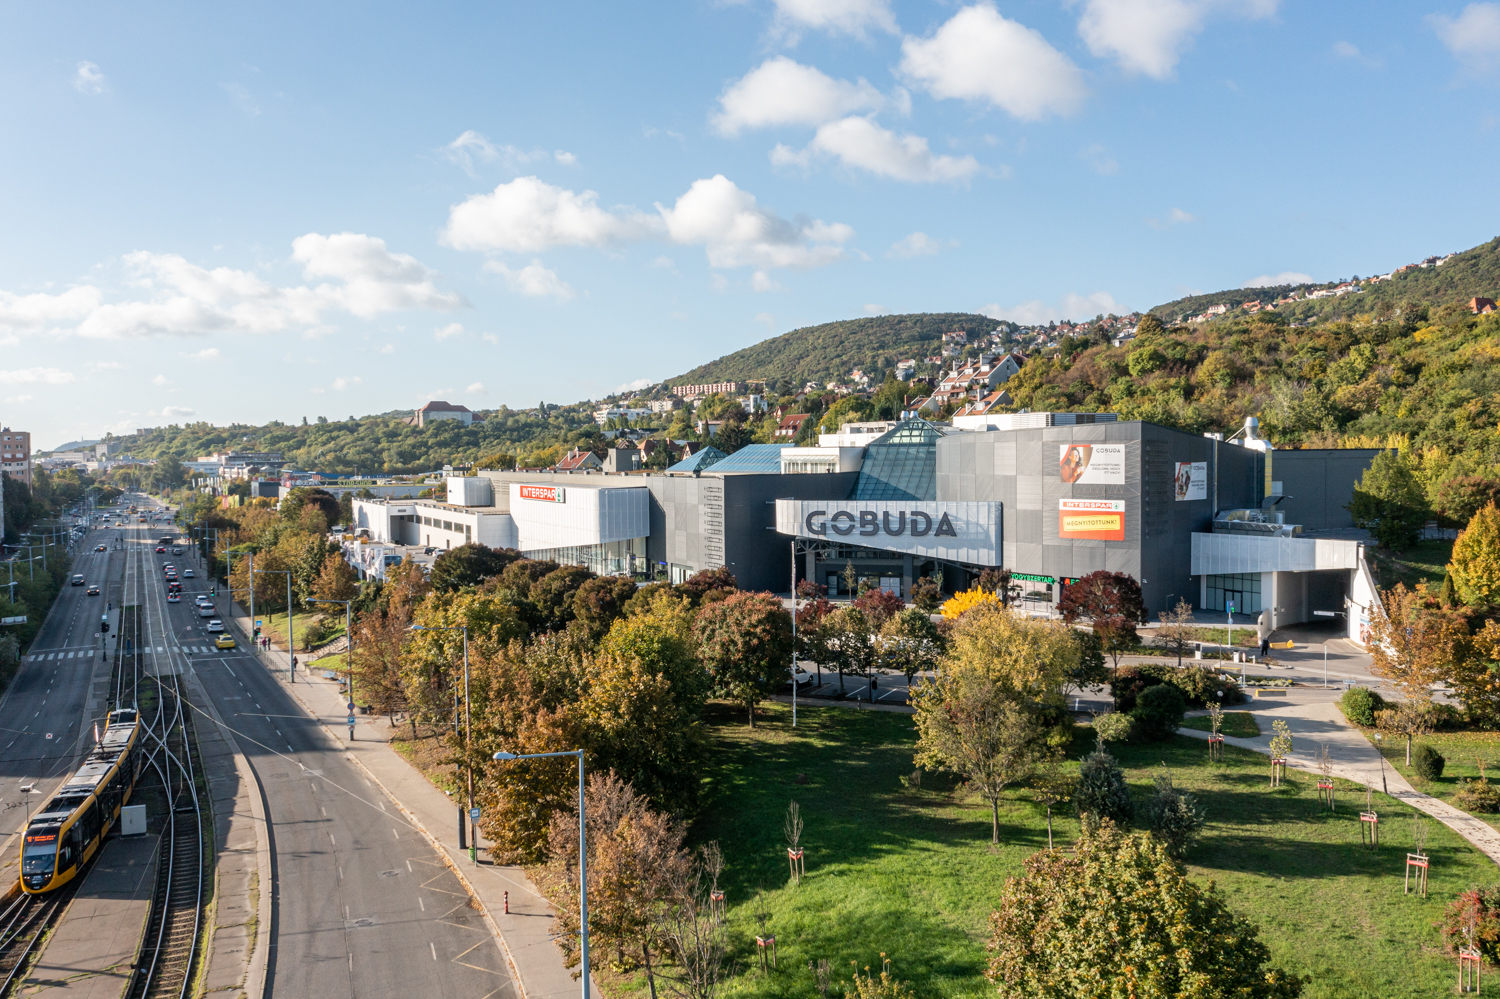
(362, 906)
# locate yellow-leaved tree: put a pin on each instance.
(1025, 657)
(1475, 567)
(957, 604)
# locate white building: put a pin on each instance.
(604, 414)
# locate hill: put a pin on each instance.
(1471, 273)
(828, 352)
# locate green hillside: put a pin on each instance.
(1472, 273)
(828, 352)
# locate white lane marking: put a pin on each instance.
(289, 749)
(351, 962)
(408, 868)
(323, 810)
(231, 672)
(332, 840)
(341, 874)
(395, 834)
(421, 903)
(346, 912)
(381, 804)
(434, 949)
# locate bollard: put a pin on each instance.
(507, 903)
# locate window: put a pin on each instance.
(468, 532)
(447, 525)
(901, 464)
(1242, 588)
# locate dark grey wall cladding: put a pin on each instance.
(1318, 484)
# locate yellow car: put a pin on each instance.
(224, 642)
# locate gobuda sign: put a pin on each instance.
(960, 532)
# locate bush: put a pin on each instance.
(1474, 918)
(1102, 792)
(1128, 684)
(1200, 685)
(1428, 762)
(1114, 726)
(1158, 711)
(1478, 796)
(1359, 705)
(1174, 816)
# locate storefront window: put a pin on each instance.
(1242, 588)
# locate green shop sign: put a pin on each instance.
(1029, 578)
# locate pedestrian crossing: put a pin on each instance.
(88, 653)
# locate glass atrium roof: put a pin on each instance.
(901, 464)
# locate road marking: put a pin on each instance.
(434, 949)
(420, 902)
(351, 963)
(231, 673)
(341, 874)
(332, 840)
(323, 810)
(408, 868)
(395, 834)
(346, 912)
(380, 803)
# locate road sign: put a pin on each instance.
(351, 721)
(351, 707)
(474, 814)
(257, 622)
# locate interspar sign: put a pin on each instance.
(547, 494)
(1091, 519)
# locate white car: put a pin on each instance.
(202, 600)
(215, 625)
(187, 574)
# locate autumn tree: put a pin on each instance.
(911, 644)
(1414, 643)
(969, 725)
(336, 581)
(1458, 499)
(599, 602)
(850, 643)
(469, 565)
(1027, 658)
(1119, 917)
(1410, 720)
(695, 935)
(1475, 564)
(1111, 601)
(1175, 633)
(745, 641)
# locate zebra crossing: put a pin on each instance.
(88, 653)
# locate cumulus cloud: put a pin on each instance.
(206, 354)
(1070, 306)
(848, 17)
(348, 381)
(862, 144)
(527, 215)
(477, 389)
(871, 309)
(159, 380)
(1175, 217)
(1273, 280)
(173, 412)
(36, 376)
(1148, 37)
(917, 244)
(534, 280)
(737, 232)
(781, 91)
(471, 147)
(635, 386)
(979, 55)
(176, 297)
(389, 348)
(88, 79)
(451, 330)
(1473, 36)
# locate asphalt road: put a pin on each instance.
(362, 905)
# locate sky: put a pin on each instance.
(240, 213)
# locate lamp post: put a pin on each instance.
(348, 655)
(468, 728)
(291, 640)
(583, 854)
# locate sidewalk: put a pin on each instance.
(1314, 719)
(525, 933)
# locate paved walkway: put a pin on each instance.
(525, 931)
(1314, 720)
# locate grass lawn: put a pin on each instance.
(912, 872)
(1237, 724)
(274, 625)
(1462, 750)
(1425, 562)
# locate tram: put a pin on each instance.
(71, 827)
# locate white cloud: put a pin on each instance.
(635, 386)
(88, 79)
(1272, 280)
(859, 142)
(451, 330)
(340, 384)
(375, 279)
(980, 55)
(29, 312)
(1175, 217)
(665, 263)
(1071, 306)
(1346, 50)
(564, 157)
(718, 282)
(761, 281)
(206, 354)
(871, 309)
(471, 146)
(1148, 36)
(159, 380)
(20, 399)
(107, 365)
(36, 376)
(917, 244)
(737, 232)
(173, 412)
(1100, 161)
(1473, 36)
(527, 215)
(243, 99)
(765, 317)
(849, 17)
(782, 92)
(389, 348)
(533, 279)
(477, 389)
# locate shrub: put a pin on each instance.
(1127, 685)
(1359, 705)
(1428, 762)
(1102, 792)
(1158, 711)
(1200, 685)
(1478, 796)
(1114, 726)
(1174, 816)
(1474, 919)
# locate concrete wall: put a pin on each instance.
(1319, 484)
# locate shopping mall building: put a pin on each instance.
(1224, 524)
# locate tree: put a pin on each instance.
(552, 595)
(1458, 499)
(745, 641)
(1112, 603)
(599, 602)
(1475, 565)
(1174, 815)
(336, 581)
(911, 643)
(1413, 643)
(1090, 671)
(1409, 719)
(1175, 633)
(1052, 786)
(732, 436)
(1027, 658)
(693, 931)
(1102, 792)
(961, 603)
(699, 585)
(969, 725)
(469, 565)
(1389, 501)
(879, 606)
(1120, 917)
(850, 643)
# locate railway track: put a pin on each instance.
(23, 926)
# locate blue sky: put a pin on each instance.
(278, 210)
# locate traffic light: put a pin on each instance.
(213, 590)
(104, 627)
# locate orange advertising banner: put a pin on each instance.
(1091, 519)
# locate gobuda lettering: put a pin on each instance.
(916, 524)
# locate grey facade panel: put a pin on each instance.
(1318, 484)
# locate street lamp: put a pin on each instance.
(291, 640)
(468, 728)
(583, 853)
(349, 638)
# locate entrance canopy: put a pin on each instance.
(968, 533)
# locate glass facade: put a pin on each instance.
(901, 464)
(613, 558)
(1243, 589)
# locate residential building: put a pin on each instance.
(790, 426)
(976, 379)
(1482, 306)
(440, 410)
(977, 415)
(664, 405)
(905, 369)
(710, 388)
(606, 413)
(579, 459)
(856, 434)
(15, 454)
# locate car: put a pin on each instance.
(187, 574)
(176, 551)
(160, 550)
(174, 598)
(93, 591)
(224, 642)
(202, 599)
(802, 676)
(77, 580)
(100, 548)
(215, 625)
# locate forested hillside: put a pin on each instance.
(830, 351)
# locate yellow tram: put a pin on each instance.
(70, 828)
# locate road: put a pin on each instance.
(362, 905)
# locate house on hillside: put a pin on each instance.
(975, 415)
(440, 410)
(790, 426)
(1481, 306)
(579, 460)
(905, 369)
